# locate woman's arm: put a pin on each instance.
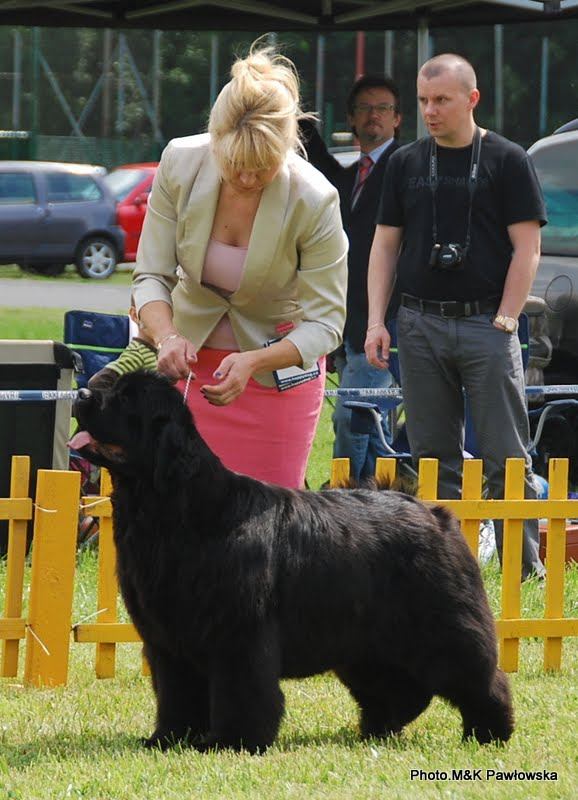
(322, 282)
(176, 355)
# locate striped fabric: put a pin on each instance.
(138, 355)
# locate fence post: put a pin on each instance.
(339, 472)
(428, 479)
(555, 561)
(107, 585)
(17, 532)
(52, 578)
(385, 470)
(472, 490)
(512, 562)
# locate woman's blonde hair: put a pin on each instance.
(253, 123)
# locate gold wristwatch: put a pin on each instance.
(509, 324)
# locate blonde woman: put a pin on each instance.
(241, 273)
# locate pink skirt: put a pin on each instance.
(264, 433)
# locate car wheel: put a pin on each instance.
(96, 257)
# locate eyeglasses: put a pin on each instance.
(367, 108)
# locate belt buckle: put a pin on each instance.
(443, 305)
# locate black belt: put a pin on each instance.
(449, 308)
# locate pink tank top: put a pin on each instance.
(222, 271)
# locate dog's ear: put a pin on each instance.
(173, 457)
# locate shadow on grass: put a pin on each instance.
(69, 747)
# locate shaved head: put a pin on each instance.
(450, 62)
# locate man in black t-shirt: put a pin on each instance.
(458, 233)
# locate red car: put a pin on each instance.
(131, 185)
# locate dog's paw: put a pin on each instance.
(156, 742)
(210, 744)
(166, 741)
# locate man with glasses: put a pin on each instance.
(374, 116)
(459, 234)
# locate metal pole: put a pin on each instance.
(320, 77)
(499, 77)
(423, 54)
(359, 55)
(214, 68)
(35, 82)
(120, 93)
(17, 81)
(544, 85)
(105, 124)
(388, 47)
(157, 71)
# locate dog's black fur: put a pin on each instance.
(234, 584)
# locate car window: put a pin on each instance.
(121, 182)
(17, 187)
(63, 187)
(345, 155)
(557, 169)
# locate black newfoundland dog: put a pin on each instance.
(234, 584)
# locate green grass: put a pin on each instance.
(32, 323)
(81, 741)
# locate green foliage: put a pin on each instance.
(77, 59)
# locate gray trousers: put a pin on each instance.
(439, 359)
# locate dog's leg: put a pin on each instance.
(182, 695)
(247, 703)
(388, 697)
(486, 707)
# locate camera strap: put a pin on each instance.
(472, 181)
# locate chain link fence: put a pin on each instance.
(109, 153)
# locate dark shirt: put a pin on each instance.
(507, 192)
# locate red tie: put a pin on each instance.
(365, 165)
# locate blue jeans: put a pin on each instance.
(362, 449)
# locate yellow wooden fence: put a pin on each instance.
(47, 626)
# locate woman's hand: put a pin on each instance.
(176, 357)
(232, 374)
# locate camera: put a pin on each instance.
(447, 256)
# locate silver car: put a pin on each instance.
(53, 214)
(556, 160)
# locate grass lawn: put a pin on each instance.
(81, 741)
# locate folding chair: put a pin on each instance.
(365, 415)
(97, 338)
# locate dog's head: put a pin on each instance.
(139, 427)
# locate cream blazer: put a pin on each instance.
(295, 275)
